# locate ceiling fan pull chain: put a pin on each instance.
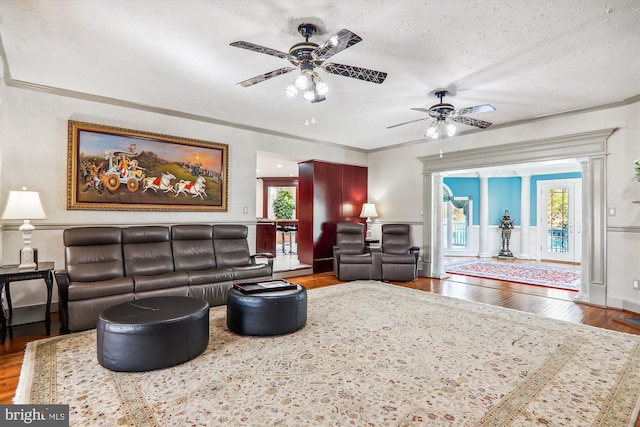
(310, 113)
(306, 122)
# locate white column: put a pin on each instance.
(449, 226)
(484, 218)
(525, 216)
(438, 253)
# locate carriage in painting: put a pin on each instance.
(123, 169)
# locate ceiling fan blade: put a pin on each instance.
(423, 110)
(355, 72)
(471, 121)
(259, 49)
(266, 76)
(406, 123)
(477, 109)
(340, 41)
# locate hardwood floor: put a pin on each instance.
(556, 304)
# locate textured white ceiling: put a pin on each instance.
(527, 58)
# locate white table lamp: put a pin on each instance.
(368, 211)
(25, 205)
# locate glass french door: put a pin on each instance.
(559, 219)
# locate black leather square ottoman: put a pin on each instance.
(152, 333)
(267, 313)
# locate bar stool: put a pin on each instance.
(293, 230)
(284, 229)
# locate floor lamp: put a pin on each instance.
(25, 205)
(368, 211)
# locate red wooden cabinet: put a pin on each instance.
(329, 193)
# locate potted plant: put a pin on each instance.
(284, 205)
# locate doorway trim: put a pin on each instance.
(590, 148)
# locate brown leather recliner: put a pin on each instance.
(398, 259)
(352, 260)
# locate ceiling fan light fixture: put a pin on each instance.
(432, 130)
(451, 129)
(321, 87)
(292, 91)
(301, 82)
(309, 95)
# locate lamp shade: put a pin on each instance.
(24, 205)
(368, 211)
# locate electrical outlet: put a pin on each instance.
(636, 284)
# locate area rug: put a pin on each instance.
(553, 277)
(371, 354)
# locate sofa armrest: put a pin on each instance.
(376, 261)
(336, 259)
(266, 255)
(415, 251)
(62, 280)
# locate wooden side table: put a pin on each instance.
(11, 273)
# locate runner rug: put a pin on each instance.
(553, 277)
(370, 354)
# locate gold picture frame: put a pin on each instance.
(110, 168)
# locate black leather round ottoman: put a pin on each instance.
(267, 313)
(152, 333)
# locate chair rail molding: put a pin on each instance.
(589, 147)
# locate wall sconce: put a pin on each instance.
(25, 205)
(368, 211)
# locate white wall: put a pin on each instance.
(395, 183)
(33, 153)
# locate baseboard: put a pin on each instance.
(623, 304)
(30, 313)
(292, 273)
(631, 306)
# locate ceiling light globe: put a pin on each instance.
(322, 88)
(432, 131)
(451, 129)
(301, 82)
(309, 95)
(291, 90)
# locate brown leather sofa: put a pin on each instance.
(105, 266)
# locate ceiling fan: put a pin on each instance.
(308, 55)
(441, 113)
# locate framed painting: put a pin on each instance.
(110, 168)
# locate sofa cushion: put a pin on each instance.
(351, 248)
(396, 248)
(192, 246)
(214, 275)
(230, 245)
(355, 259)
(147, 251)
(88, 290)
(398, 259)
(255, 271)
(160, 281)
(93, 253)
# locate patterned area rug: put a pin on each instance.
(553, 277)
(370, 354)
